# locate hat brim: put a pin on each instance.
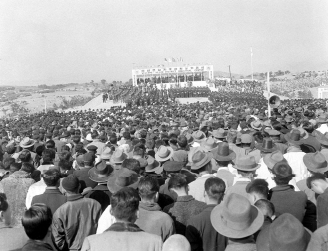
(298, 143)
(309, 165)
(156, 169)
(247, 169)
(263, 239)
(113, 188)
(27, 146)
(96, 178)
(266, 150)
(216, 156)
(222, 228)
(198, 165)
(166, 158)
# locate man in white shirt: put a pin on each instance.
(201, 164)
(294, 155)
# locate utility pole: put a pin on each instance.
(230, 74)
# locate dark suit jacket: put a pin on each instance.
(53, 198)
(83, 176)
(101, 194)
(322, 209)
(201, 234)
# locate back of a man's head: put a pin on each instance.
(176, 242)
(259, 187)
(125, 204)
(214, 188)
(266, 207)
(36, 221)
(148, 187)
(48, 155)
(177, 181)
(51, 177)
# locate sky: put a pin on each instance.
(76, 41)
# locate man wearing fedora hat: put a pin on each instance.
(294, 155)
(100, 174)
(240, 233)
(82, 174)
(283, 196)
(185, 206)
(202, 167)
(224, 157)
(151, 218)
(170, 168)
(124, 234)
(246, 167)
(286, 233)
(319, 185)
(200, 232)
(315, 163)
(68, 230)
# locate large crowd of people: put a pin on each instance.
(217, 175)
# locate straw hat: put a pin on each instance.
(163, 153)
(27, 142)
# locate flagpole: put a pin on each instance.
(45, 105)
(268, 86)
(252, 62)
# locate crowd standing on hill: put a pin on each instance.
(219, 175)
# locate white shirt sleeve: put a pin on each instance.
(105, 221)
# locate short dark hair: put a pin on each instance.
(27, 167)
(215, 187)
(265, 205)
(315, 176)
(25, 156)
(15, 166)
(64, 164)
(148, 187)
(113, 139)
(36, 221)
(48, 155)
(3, 202)
(182, 141)
(39, 149)
(125, 203)
(131, 164)
(177, 181)
(7, 162)
(259, 186)
(50, 144)
(283, 173)
(51, 177)
(126, 135)
(143, 134)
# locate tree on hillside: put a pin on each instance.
(103, 81)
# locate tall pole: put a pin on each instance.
(230, 74)
(45, 105)
(268, 86)
(252, 62)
